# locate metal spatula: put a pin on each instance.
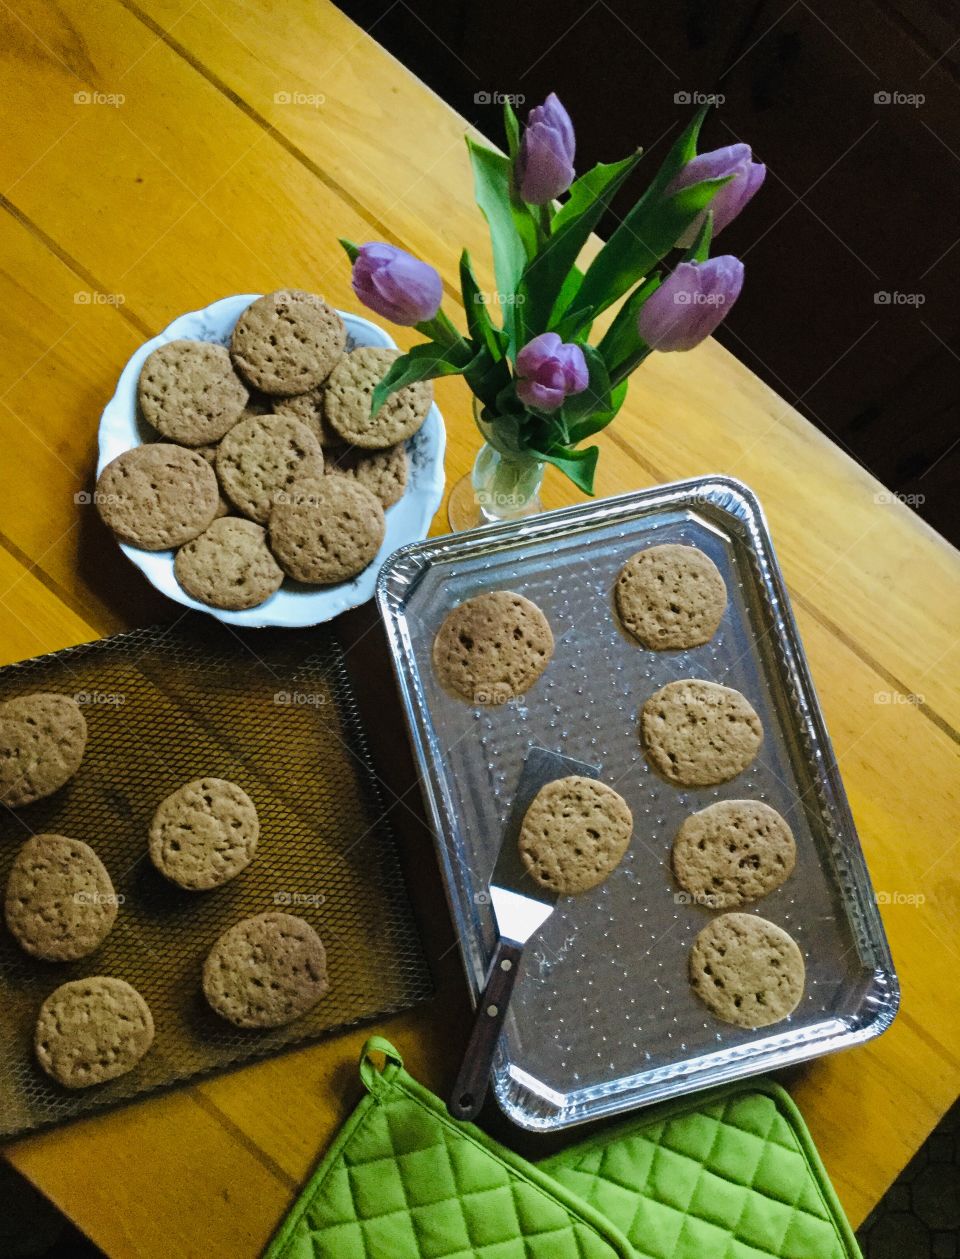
(521, 907)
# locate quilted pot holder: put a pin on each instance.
(733, 1175)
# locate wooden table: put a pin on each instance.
(162, 153)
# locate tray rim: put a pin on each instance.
(400, 575)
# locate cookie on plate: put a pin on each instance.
(42, 740)
(733, 852)
(157, 496)
(492, 648)
(383, 472)
(698, 733)
(60, 903)
(670, 597)
(204, 833)
(229, 565)
(308, 409)
(263, 454)
(747, 970)
(326, 529)
(574, 834)
(190, 393)
(92, 1030)
(266, 971)
(347, 401)
(286, 342)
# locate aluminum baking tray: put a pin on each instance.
(603, 1018)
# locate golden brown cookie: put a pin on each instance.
(326, 529)
(266, 971)
(574, 834)
(492, 648)
(733, 852)
(92, 1030)
(190, 393)
(699, 733)
(383, 472)
(60, 903)
(42, 741)
(286, 342)
(157, 496)
(746, 970)
(262, 455)
(308, 409)
(204, 833)
(229, 565)
(347, 401)
(670, 597)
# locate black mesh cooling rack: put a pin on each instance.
(273, 712)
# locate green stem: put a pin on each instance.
(441, 330)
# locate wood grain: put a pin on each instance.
(204, 182)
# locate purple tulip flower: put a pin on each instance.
(545, 160)
(549, 371)
(395, 284)
(736, 160)
(690, 303)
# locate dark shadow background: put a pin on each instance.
(850, 310)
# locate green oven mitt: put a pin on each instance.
(403, 1180)
(727, 1175)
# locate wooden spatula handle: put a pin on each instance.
(471, 1086)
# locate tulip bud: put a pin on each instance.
(690, 303)
(545, 160)
(395, 284)
(735, 160)
(549, 371)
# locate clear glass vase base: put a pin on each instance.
(464, 510)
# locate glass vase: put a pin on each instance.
(504, 484)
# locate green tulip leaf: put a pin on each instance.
(579, 465)
(598, 420)
(352, 250)
(545, 284)
(622, 340)
(426, 361)
(511, 125)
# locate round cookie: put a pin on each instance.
(266, 971)
(574, 834)
(203, 834)
(92, 1030)
(732, 852)
(699, 733)
(229, 565)
(190, 393)
(60, 903)
(308, 409)
(42, 741)
(326, 529)
(492, 647)
(347, 401)
(264, 454)
(670, 597)
(383, 472)
(286, 342)
(746, 970)
(157, 496)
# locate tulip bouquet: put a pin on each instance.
(542, 387)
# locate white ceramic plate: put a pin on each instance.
(293, 605)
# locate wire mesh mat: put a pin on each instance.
(273, 712)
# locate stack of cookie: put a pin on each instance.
(270, 465)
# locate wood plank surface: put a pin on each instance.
(204, 181)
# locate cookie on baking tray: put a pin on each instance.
(670, 597)
(42, 740)
(492, 648)
(698, 733)
(59, 903)
(732, 852)
(204, 833)
(747, 970)
(92, 1030)
(574, 834)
